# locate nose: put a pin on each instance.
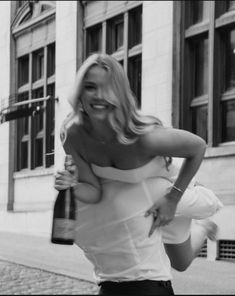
(99, 93)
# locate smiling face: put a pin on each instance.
(95, 94)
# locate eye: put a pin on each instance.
(90, 87)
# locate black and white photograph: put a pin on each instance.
(117, 147)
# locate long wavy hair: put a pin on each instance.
(125, 119)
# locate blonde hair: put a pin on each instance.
(125, 118)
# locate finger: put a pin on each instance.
(61, 174)
(63, 180)
(64, 183)
(71, 169)
(60, 187)
(153, 227)
(152, 210)
(161, 221)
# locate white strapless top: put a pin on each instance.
(114, 232)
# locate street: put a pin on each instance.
(203, 277)
(32, 265)
(22, 280)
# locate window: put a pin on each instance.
(115, 34)
(121, 36)
(134, 74)
(135, 27)
(38, 64)
(199, 11)
(50, 123)
(35, 134)
(94, 35)
(22, 137)
(230, 5)
(208, 70)
(23, 72)
(51, 60)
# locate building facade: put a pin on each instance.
(179, 57)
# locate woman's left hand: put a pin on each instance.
(163, 211)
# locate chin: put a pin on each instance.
(100, 117)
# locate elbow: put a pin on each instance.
(181, 265)
(200, 147)
(203, 146)
(95, 197)
(180, 268)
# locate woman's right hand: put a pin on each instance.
(66, 178)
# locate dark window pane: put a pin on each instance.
(21, 3)
(118, 35)
(22, 135)
(23, 70)
(50, 125)
(228, 121)
(121, 62)
(45, 7)
(199, 121)
(37, 130)
(38, 152)
(23, 156)
(135, 27)
(23, 123)
(38, 118)
(230, 60)
(230, 5)
(199, 11)
(200, 53)
(94, 39)
(135, 75)
(38, 64)
(115, 34)
(51, 60)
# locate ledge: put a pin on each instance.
(33, 173)
(226, 149)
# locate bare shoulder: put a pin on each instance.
(71, 133)
(153, 136)
(167, 141)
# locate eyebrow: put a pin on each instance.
(89, 82)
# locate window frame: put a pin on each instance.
(124, 53)
(41, 84)
(218, 19)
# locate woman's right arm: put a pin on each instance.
(88, 188)
(86, 185)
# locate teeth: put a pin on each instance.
(99, 107)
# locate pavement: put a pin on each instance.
(31, 265)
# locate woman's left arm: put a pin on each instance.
(175, 143)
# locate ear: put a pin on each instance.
(80, 107)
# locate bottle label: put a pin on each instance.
(63, 228)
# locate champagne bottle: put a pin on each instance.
(64, 215)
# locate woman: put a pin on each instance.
(130, 196)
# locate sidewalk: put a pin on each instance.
(203, 276)
(38, 252)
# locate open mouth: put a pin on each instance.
(99, 107)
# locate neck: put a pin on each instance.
(102, 132)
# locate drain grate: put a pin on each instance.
(227, 250)
(203, 251)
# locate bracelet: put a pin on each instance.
(178, 189)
